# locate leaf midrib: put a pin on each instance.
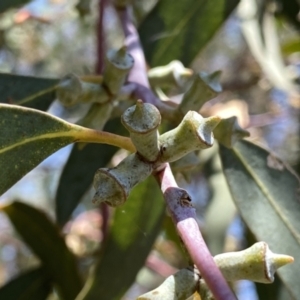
(177, 28)
(51, 135)
(271, 200)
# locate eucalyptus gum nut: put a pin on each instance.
(172, 74)
(193, 133)
(114, 185)
(93, 93)
(142, 121)
(229, 131)
(69, 90)
(179, 286)
(203, 88)
(257, 263)
(117, 65)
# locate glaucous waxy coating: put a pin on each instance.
(257, 263)
(171, 74)
(142, 121)
(193, 133)
(204, 87)
(72, 90)
(117, 65)
(181, 285)
(69, 90)
(114, 185)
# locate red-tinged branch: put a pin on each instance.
(184, 217)
(138, 73)
(100, 38)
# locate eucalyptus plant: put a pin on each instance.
(128, 107)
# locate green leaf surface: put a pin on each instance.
(34, 284)
(27, 91)
(44, 238)
(180, 29)
(266, 193)
(79, 172)
(6, 4)
(27, 137)
(132, 234)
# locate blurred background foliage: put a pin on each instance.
(254, 43)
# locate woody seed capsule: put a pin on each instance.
(117, 65)
(114, 185)
(142, 121)
(193, 133)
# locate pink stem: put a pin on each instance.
(100, 38)
(184, 217)
(138, 73)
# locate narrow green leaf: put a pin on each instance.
(6, 4)
(79, 172)
(180, 29)
(34, 284)
(266, 193)
(132, 234)
(44, 238)
(26, 90)
(28, 136)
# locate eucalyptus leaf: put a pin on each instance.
(135, 226)
(28, 136)
(180, 29)
(34, 284)
(27, 90)
(266, 192)
(43, 237)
